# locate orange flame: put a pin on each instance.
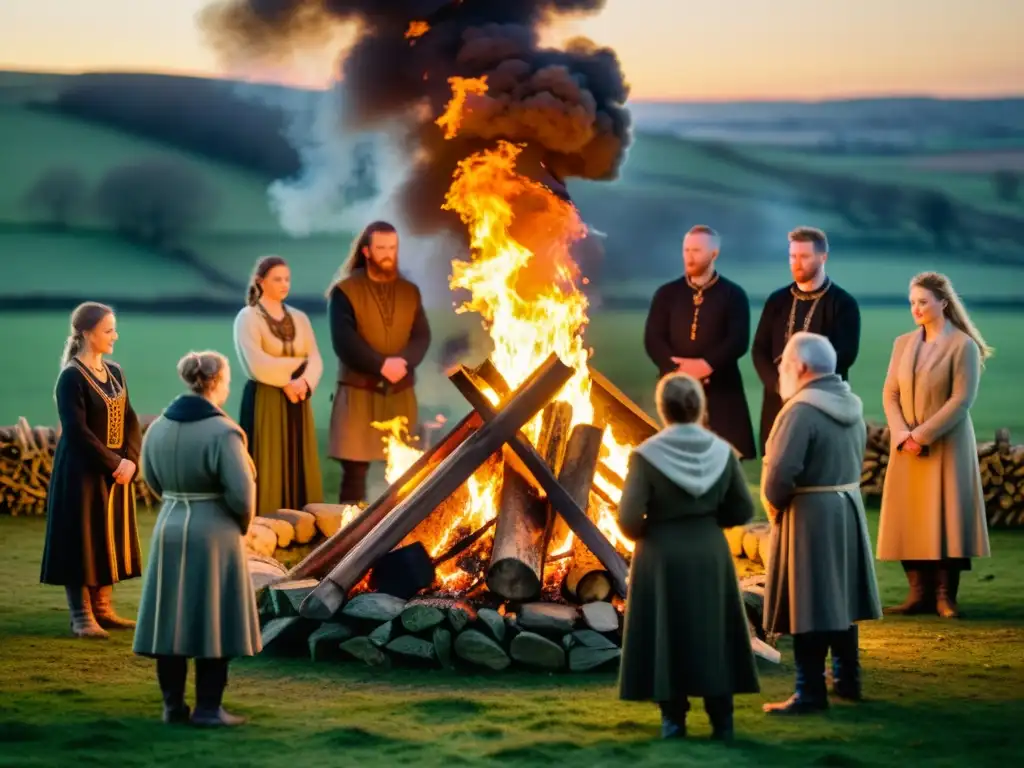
(416, 29)
(531, 306)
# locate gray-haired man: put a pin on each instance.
(821, 576)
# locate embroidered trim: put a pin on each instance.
(115, 403)
(283, 329)
(698, 299)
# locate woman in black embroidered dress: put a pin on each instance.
(92, 537)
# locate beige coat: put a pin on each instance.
(820, 574)
(933, 506)
(262, 355)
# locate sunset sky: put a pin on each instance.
(670, 49)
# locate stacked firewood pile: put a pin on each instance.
(1002, 474)
(289, 528)
(26, 462)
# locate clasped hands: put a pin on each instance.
(394, 369)
(296, 390)
(905, 441)
(694, 366)
(125, 472)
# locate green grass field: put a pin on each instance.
(941, 693)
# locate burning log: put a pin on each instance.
(587, 579)
(525, 521)
(437, 486)
(403, 572)
(318, 562)
(612, 406)
(560, 499)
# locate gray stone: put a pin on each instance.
(382, 635)
(476, 648)
(413, 647)
(361, 648)
(493, 621)
(549, 618)
(416, 618)
(374, 606)
(532, 650)
(325, 641)
(601, 617)
(582, 658)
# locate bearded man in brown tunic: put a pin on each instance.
(380, 334)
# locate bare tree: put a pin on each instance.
(156, 201)
(59, 193)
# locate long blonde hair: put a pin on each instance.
(942, 288)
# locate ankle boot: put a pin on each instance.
(171, 672)
(719, 709)
(846, 664)
(104, 611)
(920, 598)
(811, 694)
(211, 679)
(946, 591)
(83, 623)
(673, 719)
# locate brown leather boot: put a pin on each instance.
(83, 623)
(104, 611)
(919, 597)
(946, 590)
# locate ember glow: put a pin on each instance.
(417, 29)
(531, 305)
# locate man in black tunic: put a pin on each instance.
(700, 325)
(812, 302)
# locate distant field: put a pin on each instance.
(150, 346)
(972, 162)
(94, 263)
(968, 178)
(45, 141)
(864, 274)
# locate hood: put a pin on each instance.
(833, 397)
(191, 408)
(687, 454)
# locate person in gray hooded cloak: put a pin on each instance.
(820, 576)
(686, 631)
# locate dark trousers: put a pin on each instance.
(353, 481)
(719, 709)
(211, 680)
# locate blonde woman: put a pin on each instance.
(197, 599)
(933, 510)
(92, 536)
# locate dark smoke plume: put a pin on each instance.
(567, 105)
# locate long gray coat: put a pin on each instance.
(933, 506)
(197, 598)
(686, 631)
(820, 574)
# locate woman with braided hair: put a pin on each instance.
(92, 536)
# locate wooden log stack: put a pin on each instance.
(1002, 474)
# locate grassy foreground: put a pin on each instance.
(941, 693)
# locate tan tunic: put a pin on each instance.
(388, 322)
(933, 506)
(262, 355)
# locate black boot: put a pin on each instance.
(846, 664)
(211, 679)
(171, 672)
(947, 586)
(719, 709)
(673, 718)
(811, 695)
(353, 482)
(921, 597)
